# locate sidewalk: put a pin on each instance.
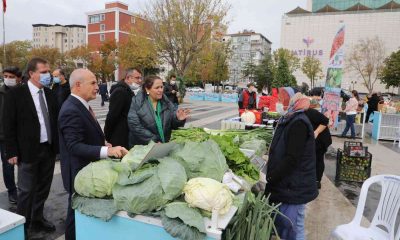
(332, 208)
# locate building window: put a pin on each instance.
(65, 40)
(94, 19)
(102, 27)
(102, 37)
(133, 20)
(102, 17)
(72, 40)
(45, 40)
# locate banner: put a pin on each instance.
(332, 101)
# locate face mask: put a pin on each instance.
(173, 82)
(45, 79)
(10, 82)
(56, 80)
(280, 109)
(134, 86)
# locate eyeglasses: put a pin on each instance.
(138, 78)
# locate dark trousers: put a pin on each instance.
(350, 119)
(70, 222)
(103, 99)
(320, 164)
(34, 182)
(369, 111)
(8, 172)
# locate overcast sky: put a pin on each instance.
(263, 16)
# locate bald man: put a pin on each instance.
(81, 138)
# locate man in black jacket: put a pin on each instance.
(61, 86)
(11, 76)
(116, 126)
(32, 141)
(171, 91)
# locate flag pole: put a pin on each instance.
(4, 41)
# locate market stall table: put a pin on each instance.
(11, 226)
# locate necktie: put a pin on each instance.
(45, 114)
(92, 113)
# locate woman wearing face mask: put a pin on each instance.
(171, 91)
(152, 116)
(11, 76)
(351, 112)
(291, 174)
(248, 98)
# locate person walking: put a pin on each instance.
(152, 117)
(32, 142)
(372, 102)
(61, 86)
(323, 139)
(81, 138)
(291, 173)
(11, 76)
(103, 92)
(351, 112)
(116, 126)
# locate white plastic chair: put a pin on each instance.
(383, 224)
(397, 137)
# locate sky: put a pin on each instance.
(262, 16)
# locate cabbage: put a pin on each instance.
(208, 194)
(96, 179)
(136, 154)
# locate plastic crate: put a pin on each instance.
(353, 169)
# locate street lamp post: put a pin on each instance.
(353, 82)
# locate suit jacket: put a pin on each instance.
(81, 139)
(21, 123)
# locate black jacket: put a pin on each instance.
(116, 127)
(3, 91)
(142, 124)
(373, 102)
(103, 89)
(291, 167)
(21, 124)
(168, 92)
(62, 91)
(324, 139)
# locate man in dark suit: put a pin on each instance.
(81, 138)
(32, 141)
(103, 92)
(116, 127)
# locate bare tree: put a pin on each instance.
(367, 59)
(183, 28)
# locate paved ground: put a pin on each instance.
(335, 204)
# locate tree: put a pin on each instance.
(103, 64)
(249, 70)
(292, 61)
(264, 73)
(391, 71)
(139, 51)
(283, 75)
(311, 67)
(52, 55)
(366, 58)
(183, 28)
(16, 54)
(81, 54)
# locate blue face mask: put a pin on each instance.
(45, 79)
(56, 80)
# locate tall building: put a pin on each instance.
(247, 47)
(63, 37)
(311, 32)
(113, 23)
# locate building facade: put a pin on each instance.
(63, 37)
(246, 47)
(308, 33)
(114, 23)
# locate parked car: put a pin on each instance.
(194, 89)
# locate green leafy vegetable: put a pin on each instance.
(189, 134)
(127, 177)
(137, 154)
(190, 216)
(178, 229)
(100, 208)
(172, 176)
(96, 179)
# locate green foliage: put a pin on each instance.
(100, 208)
(190, 216)
(283, 76)
(17, 54)
(391, 71)
(178, 229)
(264, 73)
(312, 68)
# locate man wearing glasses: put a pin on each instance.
(116, 126)
(31, 141)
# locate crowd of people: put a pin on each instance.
(48, 114)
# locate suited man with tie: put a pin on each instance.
(31, 141)
(81, 138)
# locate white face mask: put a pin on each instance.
(134, 86)
(280, 109)
(10, 82)
(173, 82)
